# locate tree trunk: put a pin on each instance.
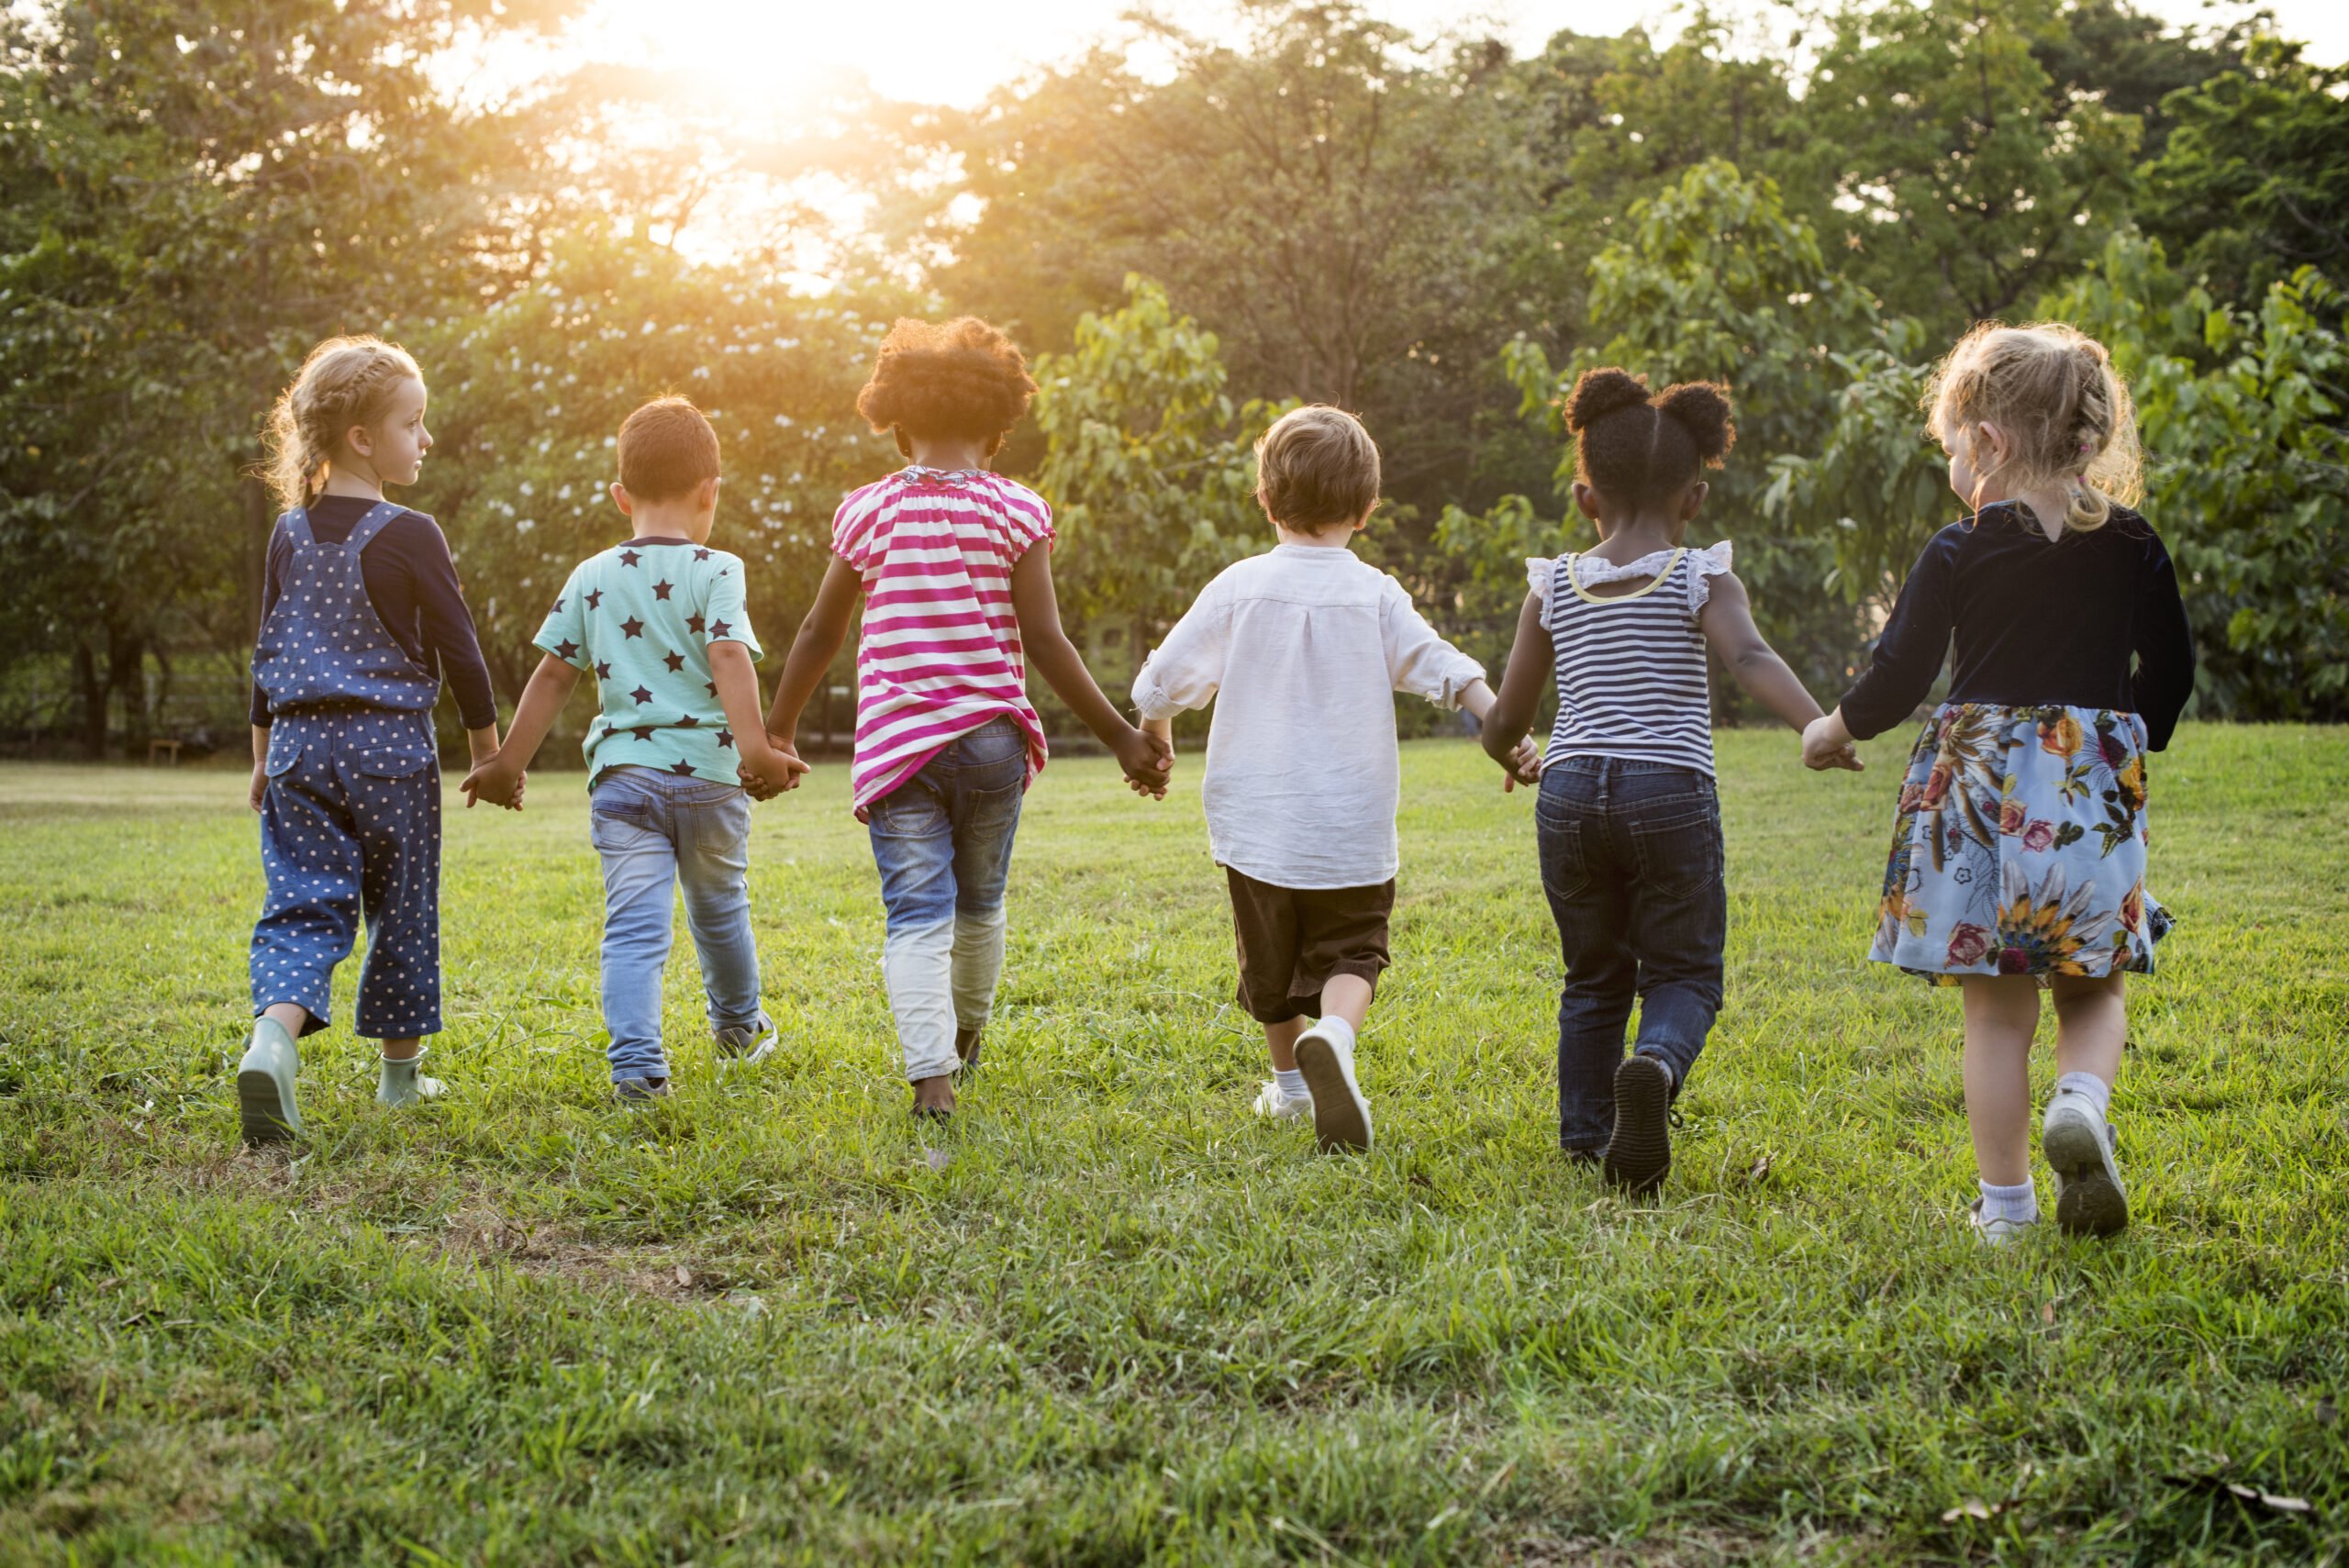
(93, 701)
(126, 666)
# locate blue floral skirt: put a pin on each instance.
(2020, 847)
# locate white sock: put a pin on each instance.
(1291, 1081)
(1336, 1029)
(978, 964)
(2017, 1205)
(2099, 1092)
(917, 964)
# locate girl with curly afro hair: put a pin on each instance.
(957, 599)
(1628, 825)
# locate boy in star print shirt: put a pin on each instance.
(662, 622)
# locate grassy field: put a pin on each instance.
(1105, 1318)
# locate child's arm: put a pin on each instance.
(261, 767)
(1146, 758)
(497, 769)
(1726, 621)
(1510, 715)
(1421, 662)
(765, 770)
(812, 653)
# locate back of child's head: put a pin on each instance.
(2066, 415)
(953, 380)
(343, 382)
(1316, 468)
(1640, 449)
(667, 448)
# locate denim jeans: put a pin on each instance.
(943, 840)
(1632, 864)
(654, 830)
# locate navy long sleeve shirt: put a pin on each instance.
(2087, 619)
(413, 586)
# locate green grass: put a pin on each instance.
(1105, 1318)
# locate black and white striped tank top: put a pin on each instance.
(1632, 668)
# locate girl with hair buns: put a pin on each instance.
(360, 618)
(2018, 847)
(1628, 822)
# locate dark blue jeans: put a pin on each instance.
(1631, 864)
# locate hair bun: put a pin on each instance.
(1701, 409)
(1599, 392)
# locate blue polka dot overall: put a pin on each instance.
(351, 820)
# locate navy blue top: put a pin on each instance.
(2085, 620)
(413, 586)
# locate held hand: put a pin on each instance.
(491, 782)
(260, 789)
(1148, 761)
(1522, 766)
(768, 771)
(1825, 745)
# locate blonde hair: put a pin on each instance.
(1317, 467)
(344, 381)
(2066, 414)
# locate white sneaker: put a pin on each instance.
(1273, 1105)
(1341, 1116)
(2089, 1198)
(738, 1045)
(2000, 1231)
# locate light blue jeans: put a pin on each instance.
(654, 830)
(943, 841)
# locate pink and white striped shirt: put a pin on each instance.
(940, 654)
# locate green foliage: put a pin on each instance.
(2245, 420)
(2254, 183)
(1117, 1320)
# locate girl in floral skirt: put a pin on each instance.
(2019, 852)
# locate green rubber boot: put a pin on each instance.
(265, 1086)
(402, 1085)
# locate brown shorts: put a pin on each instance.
(1294, 940)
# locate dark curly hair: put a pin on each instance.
(959, 380)
(1638, 450)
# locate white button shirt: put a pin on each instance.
(1301, 650)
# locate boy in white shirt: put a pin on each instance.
(1300, 649)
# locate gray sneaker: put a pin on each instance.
(738, 1045)
(2089, 1198)
(640, 1091)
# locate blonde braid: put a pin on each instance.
(344, 381)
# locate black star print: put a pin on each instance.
(719, 629)
(726, 738)
(683, 770)
(640, 697)
(675, 661)
(641, 731)
(602, 671)
(594, 597)
(566, 650)
(661, 589)
(558, 605)
(693, 623)
(688, 722)
(712, 685)
(630, 558)
(633, 627)
(701, 555)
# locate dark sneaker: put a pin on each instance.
(738, 1045)
(640, 1091)
(1641, 1152)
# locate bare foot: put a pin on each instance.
(934, 1098)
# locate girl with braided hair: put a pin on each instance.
(2018, 846)
(1628, 822)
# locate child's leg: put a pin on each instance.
(1679, 924)
(1347, 996)
(1280, 1043)
(631, 828)
(393, 785)
(2091, 1024)
(986, 820)
(913, 846)
(1588, 901)
(308, 925)
(2001, 1016)
(714, 864)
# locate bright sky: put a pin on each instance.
(948, 52)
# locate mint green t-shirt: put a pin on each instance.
(641, 616)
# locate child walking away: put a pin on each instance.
(360, 618)
(661, 620)
(2019, 850)
(957, 599)
(1628, 822)
(1301, 650)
